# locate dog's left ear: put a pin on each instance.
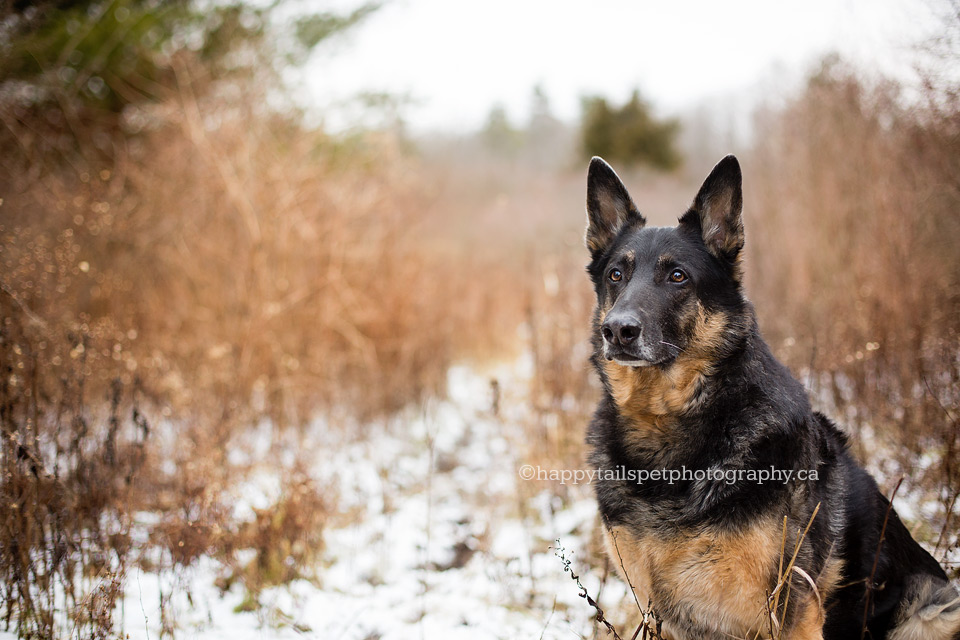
(609, 206)
(718, 206)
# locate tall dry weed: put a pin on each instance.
(854, 195)
(70, 467)
(219, 267)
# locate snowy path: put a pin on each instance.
(436, 545)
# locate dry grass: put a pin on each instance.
(224, 266)
(853, 262)
(242, 258)
(286, 538)
(69, 477)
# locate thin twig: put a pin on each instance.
(783, 579)
(613, 536)
(949, 468)
(560, 552)
(233, 184)
(876, 560)
(34, 318)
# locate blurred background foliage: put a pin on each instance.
(75, 74)
(630, 134)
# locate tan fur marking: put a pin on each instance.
(725, 577)
(649, 397)
(613, 212)
(593, 243)
(715, 220)
(829, 578)
(609, 204)
(809, 623)
(811, 616)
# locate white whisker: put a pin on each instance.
(671, 345)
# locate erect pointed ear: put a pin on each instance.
(719, 205)
(609, 206)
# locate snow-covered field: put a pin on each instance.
(437, 536)
(438, 543)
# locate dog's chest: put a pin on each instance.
(697, 582)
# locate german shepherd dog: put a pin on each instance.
(689, 385)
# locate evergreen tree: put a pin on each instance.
(629, 134)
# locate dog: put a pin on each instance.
(695, 413)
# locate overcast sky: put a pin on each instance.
(456, 58)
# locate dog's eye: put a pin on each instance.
(616, 275)
(678, 276)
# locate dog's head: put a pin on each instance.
(664, 293)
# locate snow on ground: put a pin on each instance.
(436, 538)
(436, 545)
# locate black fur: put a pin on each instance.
(748, 412)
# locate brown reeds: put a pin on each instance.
(221, 267)
(854, 207)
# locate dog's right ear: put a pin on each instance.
(609, 206)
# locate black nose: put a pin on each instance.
(621, 330)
